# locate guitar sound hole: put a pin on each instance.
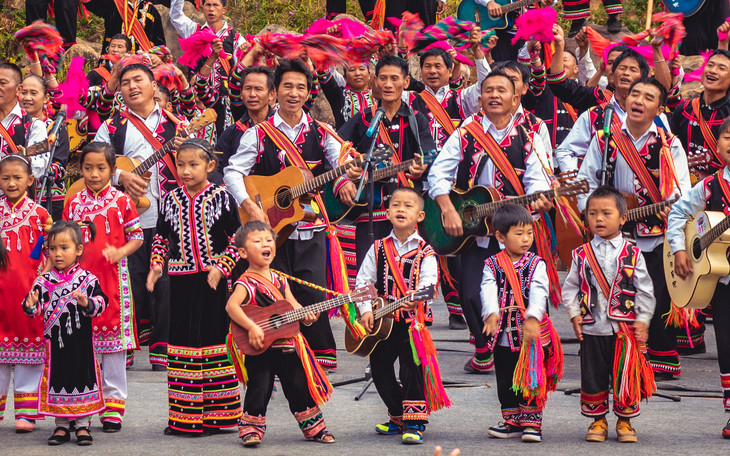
(277, 321)
(283, 198)
(468, 214)
(696, 248)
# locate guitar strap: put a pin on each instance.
(394, 157)
(131, 24)
(152, 139)
(103, 72)
(723, 184)
(495, 152)
(8, 140)
(268, 284)
(438, 111)
(631, 155)
(571, 110)
(707, 134)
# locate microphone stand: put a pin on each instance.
(46, 179)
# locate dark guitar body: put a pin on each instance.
(381, 330)
(432, 228)
(262, 315)
(467, 8)
(339, 212)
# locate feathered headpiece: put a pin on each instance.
(43, 40)
(346, 28)
(74, 87)
(196, 46)
(536, 24)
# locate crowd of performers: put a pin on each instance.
(149, 248)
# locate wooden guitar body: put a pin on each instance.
(277, 330)
(381, 330)
(123, 163)
(432, 227)
(708, 265)
(271, 194)
(568, 239)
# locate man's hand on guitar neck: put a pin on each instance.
(682, 264)
(541, 205)
(133, 184)
(254, 211)
(495, 9)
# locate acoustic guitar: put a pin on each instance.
(281, 321)
(141, 168)
(280, 196)
(469, 10)
(707, 240)
(383, 322)
(474, 207)
(339, 212)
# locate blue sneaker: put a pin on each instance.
(531, 434)
(505, 431)
(389, 428)
(413, 434)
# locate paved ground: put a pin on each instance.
(690, 426)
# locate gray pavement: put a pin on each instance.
(690, 426)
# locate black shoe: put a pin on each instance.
(60, 438)
(697, 350)
(614, 24)
(159, 368)
(576, 26)
(472, 370)
(111, 426)
(83, 440)
(457, 322)
(663, 376)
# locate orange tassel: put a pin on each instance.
(378, 21)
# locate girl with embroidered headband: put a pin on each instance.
(195, 232)
(119, 235)
(22, 222)
(68, 297)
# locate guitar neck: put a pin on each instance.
(299, 314)
(150, 161)
(708, 238)
(380, 174)
(486, 209)
(516, 5)
(316, 182)
(645, 211)
(389, 308)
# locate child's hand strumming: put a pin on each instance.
(256, 337)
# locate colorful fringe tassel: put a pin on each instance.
(424, 354)
(633, 378)
(536, 375)
(237, 359)
(337, 280)
(378, 21)
(682, 317)
(319, 386)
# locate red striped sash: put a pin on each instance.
(438, 111)
(490, 145)
(631, 155)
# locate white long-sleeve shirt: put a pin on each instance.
(442, 175)
(607, 252)
(367, 274)
(186, 26)
(470, 95)
(625, 180)
(36, 134)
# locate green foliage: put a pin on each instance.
(10, 22)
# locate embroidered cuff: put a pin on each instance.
(554, 78)
(339, 183)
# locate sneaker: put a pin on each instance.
(532, 434)
(23, 426)
(726, 430)
(625, 431)
(457, 322)
(389, 428)
(505, 431)
(614, 24)
(111, 426)
(576, 26)
(598, 431)
(413, 434)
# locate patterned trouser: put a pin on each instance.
(25, 388)
(449, 275)
(581, 9)
(203, 389)
(596, 368)
(515, 409)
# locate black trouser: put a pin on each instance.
(721, 321)
(337, 7)
(472, 266)
(307, 260)
(662, 345)
(381, 229)
(505, 50)
(515, 409)
(151, 308)
(407, 399)
(596, 371)
(65, 11)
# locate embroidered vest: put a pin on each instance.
(621, 307)
(411, 262)
(510, 317)
(451, 104)
(516, 146)
(716, 200)
(310, 142)
(165, 132)
(19, 132)
(650, 152)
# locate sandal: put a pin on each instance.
(83, 439)
(250, 440)
(324, 436)
(58, 439)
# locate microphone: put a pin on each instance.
(60, 118)
(375, 123)
(608, 118)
